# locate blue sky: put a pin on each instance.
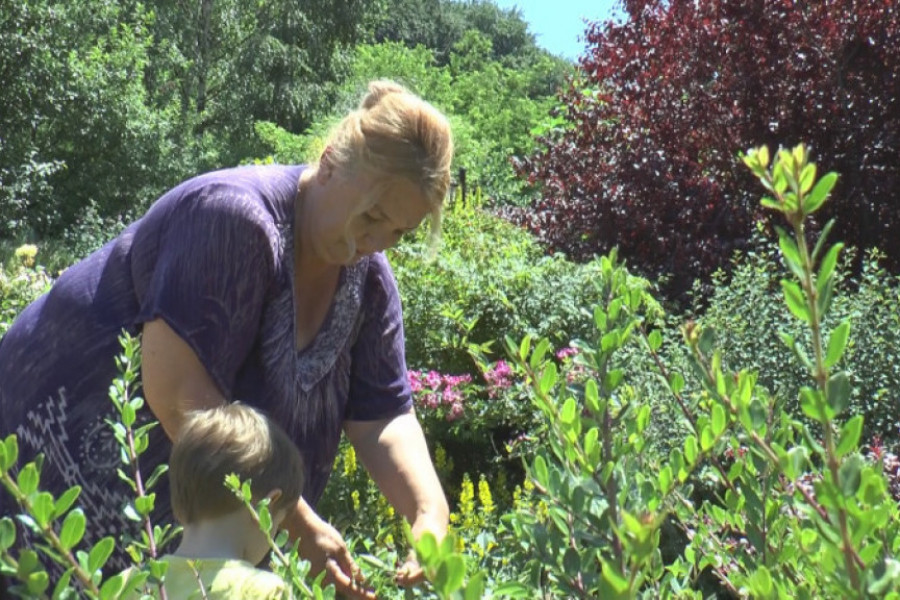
(558, 24)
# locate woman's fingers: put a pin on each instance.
(347, 577)
(410, 573)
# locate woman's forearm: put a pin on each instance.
(395, 453)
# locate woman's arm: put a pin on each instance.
(395, 453)
(174, 379)
(175, 382)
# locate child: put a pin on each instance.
(221, 544)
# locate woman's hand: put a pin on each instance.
(325, 549)
(410, 573)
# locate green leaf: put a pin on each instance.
(676, 381)
(820, 243)
(837, 342)
(508, 589)
(719, 420)
(144, 504)
(790, 252)
(548, 378)
(665, 479)
(809, 403)
(707, 439)
(690, 449)
(42, 508)
(795, 300)
(838, 392)
(795, 461)
(761, 583)
(525, 348)
(28, 479)
(826, 269)
(592, 445)
(850, 434)
(823, 302)
(540, 472)
(820, 192)
(112, 587)
(475, 587)
(655, 340)
(451, 574)
(100, 553)
(539, 352)
(807, 177)
(851, 474)
(37, 583)
(128, 415)
(769, 202)
(7, 533)
(65, 501)
(571, 561)
(569, 411)
(613, 378)
(592, 396)
(707, 340)
(72, 529)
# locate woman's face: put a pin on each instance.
(342, 237)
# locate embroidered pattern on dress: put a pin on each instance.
(312, 384)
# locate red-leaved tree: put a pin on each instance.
(665, 100)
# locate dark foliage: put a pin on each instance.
(666, 99)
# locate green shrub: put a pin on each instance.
(22, 280)
(745, 309)
(800, 511)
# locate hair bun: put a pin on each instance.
(378, 90)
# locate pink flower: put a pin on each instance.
(452, 397)
(415, 381)
(455, 412)
(433, 380)
(566, 352)
(498, 377)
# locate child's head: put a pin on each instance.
(233, 438)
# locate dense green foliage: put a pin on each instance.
(107, 104)
(592, 445)
(805, 508)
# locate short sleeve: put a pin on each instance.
(379, 385)
(214, 262)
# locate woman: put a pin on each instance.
(264, 284)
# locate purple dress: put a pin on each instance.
(213, 258)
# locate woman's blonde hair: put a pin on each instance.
(395, 134)
(233, 438)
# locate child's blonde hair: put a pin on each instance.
(233, 438)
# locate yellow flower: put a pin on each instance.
(442, 462)
(464, 517)
(349, 461)
(26, 254)
(354, 498)
(484, 496)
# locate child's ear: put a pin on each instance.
(274, 495)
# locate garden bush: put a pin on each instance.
(664, 97)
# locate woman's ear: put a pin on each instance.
(326, 165)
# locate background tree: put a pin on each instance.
(75, 130)
(664, 100)
(235, 63)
